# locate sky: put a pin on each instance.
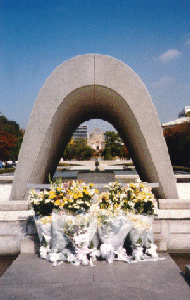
(151, 36)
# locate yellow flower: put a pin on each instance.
(59, 189)
(96, 191)
(75, 196)
(52, 195)
(132, 185)
(45, 220)
(91, 184)
(57, 202)
(80, 195)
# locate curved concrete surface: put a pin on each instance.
(86, 87)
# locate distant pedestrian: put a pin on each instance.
(1, 164)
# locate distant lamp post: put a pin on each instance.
(97, 165)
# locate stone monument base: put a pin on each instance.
(96, 177)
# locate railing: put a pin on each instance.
(38, 186)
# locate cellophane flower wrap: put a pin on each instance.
(113, 224)
(113, 227)
(43, 203)
(75, 225)
(126, 211)
(43, 226)
(72, 221)
(141, 216)
(141, 232)
(72, 235)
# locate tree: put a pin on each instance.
(78, 149)
(11, 137)
(114, 146)
(178, 141)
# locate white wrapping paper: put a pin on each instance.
(115, 229)
(72, 235)
(43, 226)
(112, 232)
(141, 232)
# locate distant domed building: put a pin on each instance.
(96, 140)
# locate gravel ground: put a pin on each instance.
(183, 191)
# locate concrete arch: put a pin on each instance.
(86, 87)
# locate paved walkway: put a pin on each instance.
(30, 277)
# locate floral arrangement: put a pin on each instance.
(115, 198)
(135, 197)
(79, 218)
(142, 197)
(72, 197)
(77, 228)
(45, 201)
(79, 197)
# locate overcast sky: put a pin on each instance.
(150, 36)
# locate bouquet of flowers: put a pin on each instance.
(142, 198)
(113, 223)
(68, 219)
(126, 210)
(141, 234)
(113, 227)
(116, 198)
(45, 201)
(78, 197)
(72, 236)
(43, 225)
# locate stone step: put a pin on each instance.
(21, 235)
(10, 238)
(160, 242)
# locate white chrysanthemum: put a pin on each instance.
(80, 202)
(48, 200)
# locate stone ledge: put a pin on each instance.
(178, 241)
(14, 205)
(10, 244)
(15, 215)
(9, 229)
(30, 244)
(6, 179)
(183, 204)
(160, 242)
(177, 214)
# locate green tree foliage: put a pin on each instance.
(78, 149)
(11, 137)
(178, 141)
(114, 146)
